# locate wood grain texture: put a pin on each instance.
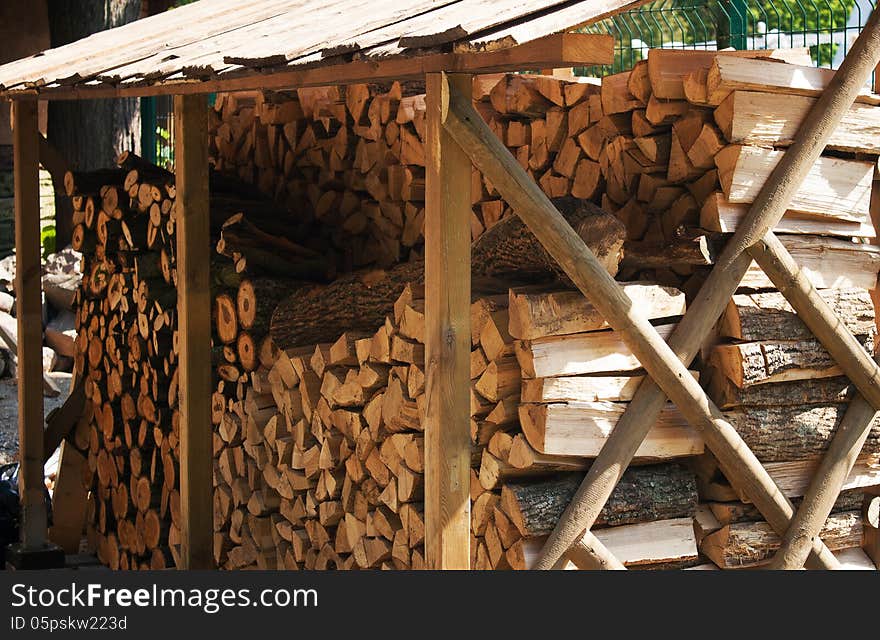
(750, 117)
(29, 311)
(447, 337)
(194, 305)
(557, 50)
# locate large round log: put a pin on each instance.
(362, 300)
(509, 248)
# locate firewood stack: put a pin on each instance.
(126, 344)
(549, 380)
(126, 326)
(319, 322)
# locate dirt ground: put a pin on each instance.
(9, 413)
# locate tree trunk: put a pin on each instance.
(362, 300)
(90, 134)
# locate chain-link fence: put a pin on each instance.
(827, 27)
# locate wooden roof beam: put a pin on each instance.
(558, 50)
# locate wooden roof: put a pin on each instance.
(215, 45)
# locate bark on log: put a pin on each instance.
(752, 544)
(796, 393)
(768, 316)
(780, 434)
(644, 494)
(509, 248)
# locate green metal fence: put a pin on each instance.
(157, 132)
(827, 27)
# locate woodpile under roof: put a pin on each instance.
(225, 39)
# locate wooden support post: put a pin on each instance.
(194, 309)
(824, 489)
(26, 140)
(713, 297)
(447, 343)
(662, 364)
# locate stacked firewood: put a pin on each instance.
(319, 321)
(549, 380)
(712, 127)
(126, 346)
(125, 356)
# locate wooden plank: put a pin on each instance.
(835, 188)
(661, 542)
(447, 336)
(752, 117)
(647, 543)
(582, 388)
(582, 353)
(194, 309)
(69, 500)
(827, 262)
(538, 314)
(793, 478)
(26, 138)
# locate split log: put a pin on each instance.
(540, 314)
(753, 544)
(580, 429)
(643, 494)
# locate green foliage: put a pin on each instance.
(803, 16)
(47, 239)
(687, 23)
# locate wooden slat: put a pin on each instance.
(447, 337)
(194, 309)
(29, 311)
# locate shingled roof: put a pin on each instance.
(221, 40)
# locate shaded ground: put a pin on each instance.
(9, 413)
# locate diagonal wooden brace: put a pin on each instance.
(489, 155)
(589, 554)
(768, 208)
(774, 259)
(855, 427)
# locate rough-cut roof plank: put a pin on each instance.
(229, 43)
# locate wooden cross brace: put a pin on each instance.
(666, 363)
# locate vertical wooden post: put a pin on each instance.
(447, 344)
(30, 325)
(194, 310)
